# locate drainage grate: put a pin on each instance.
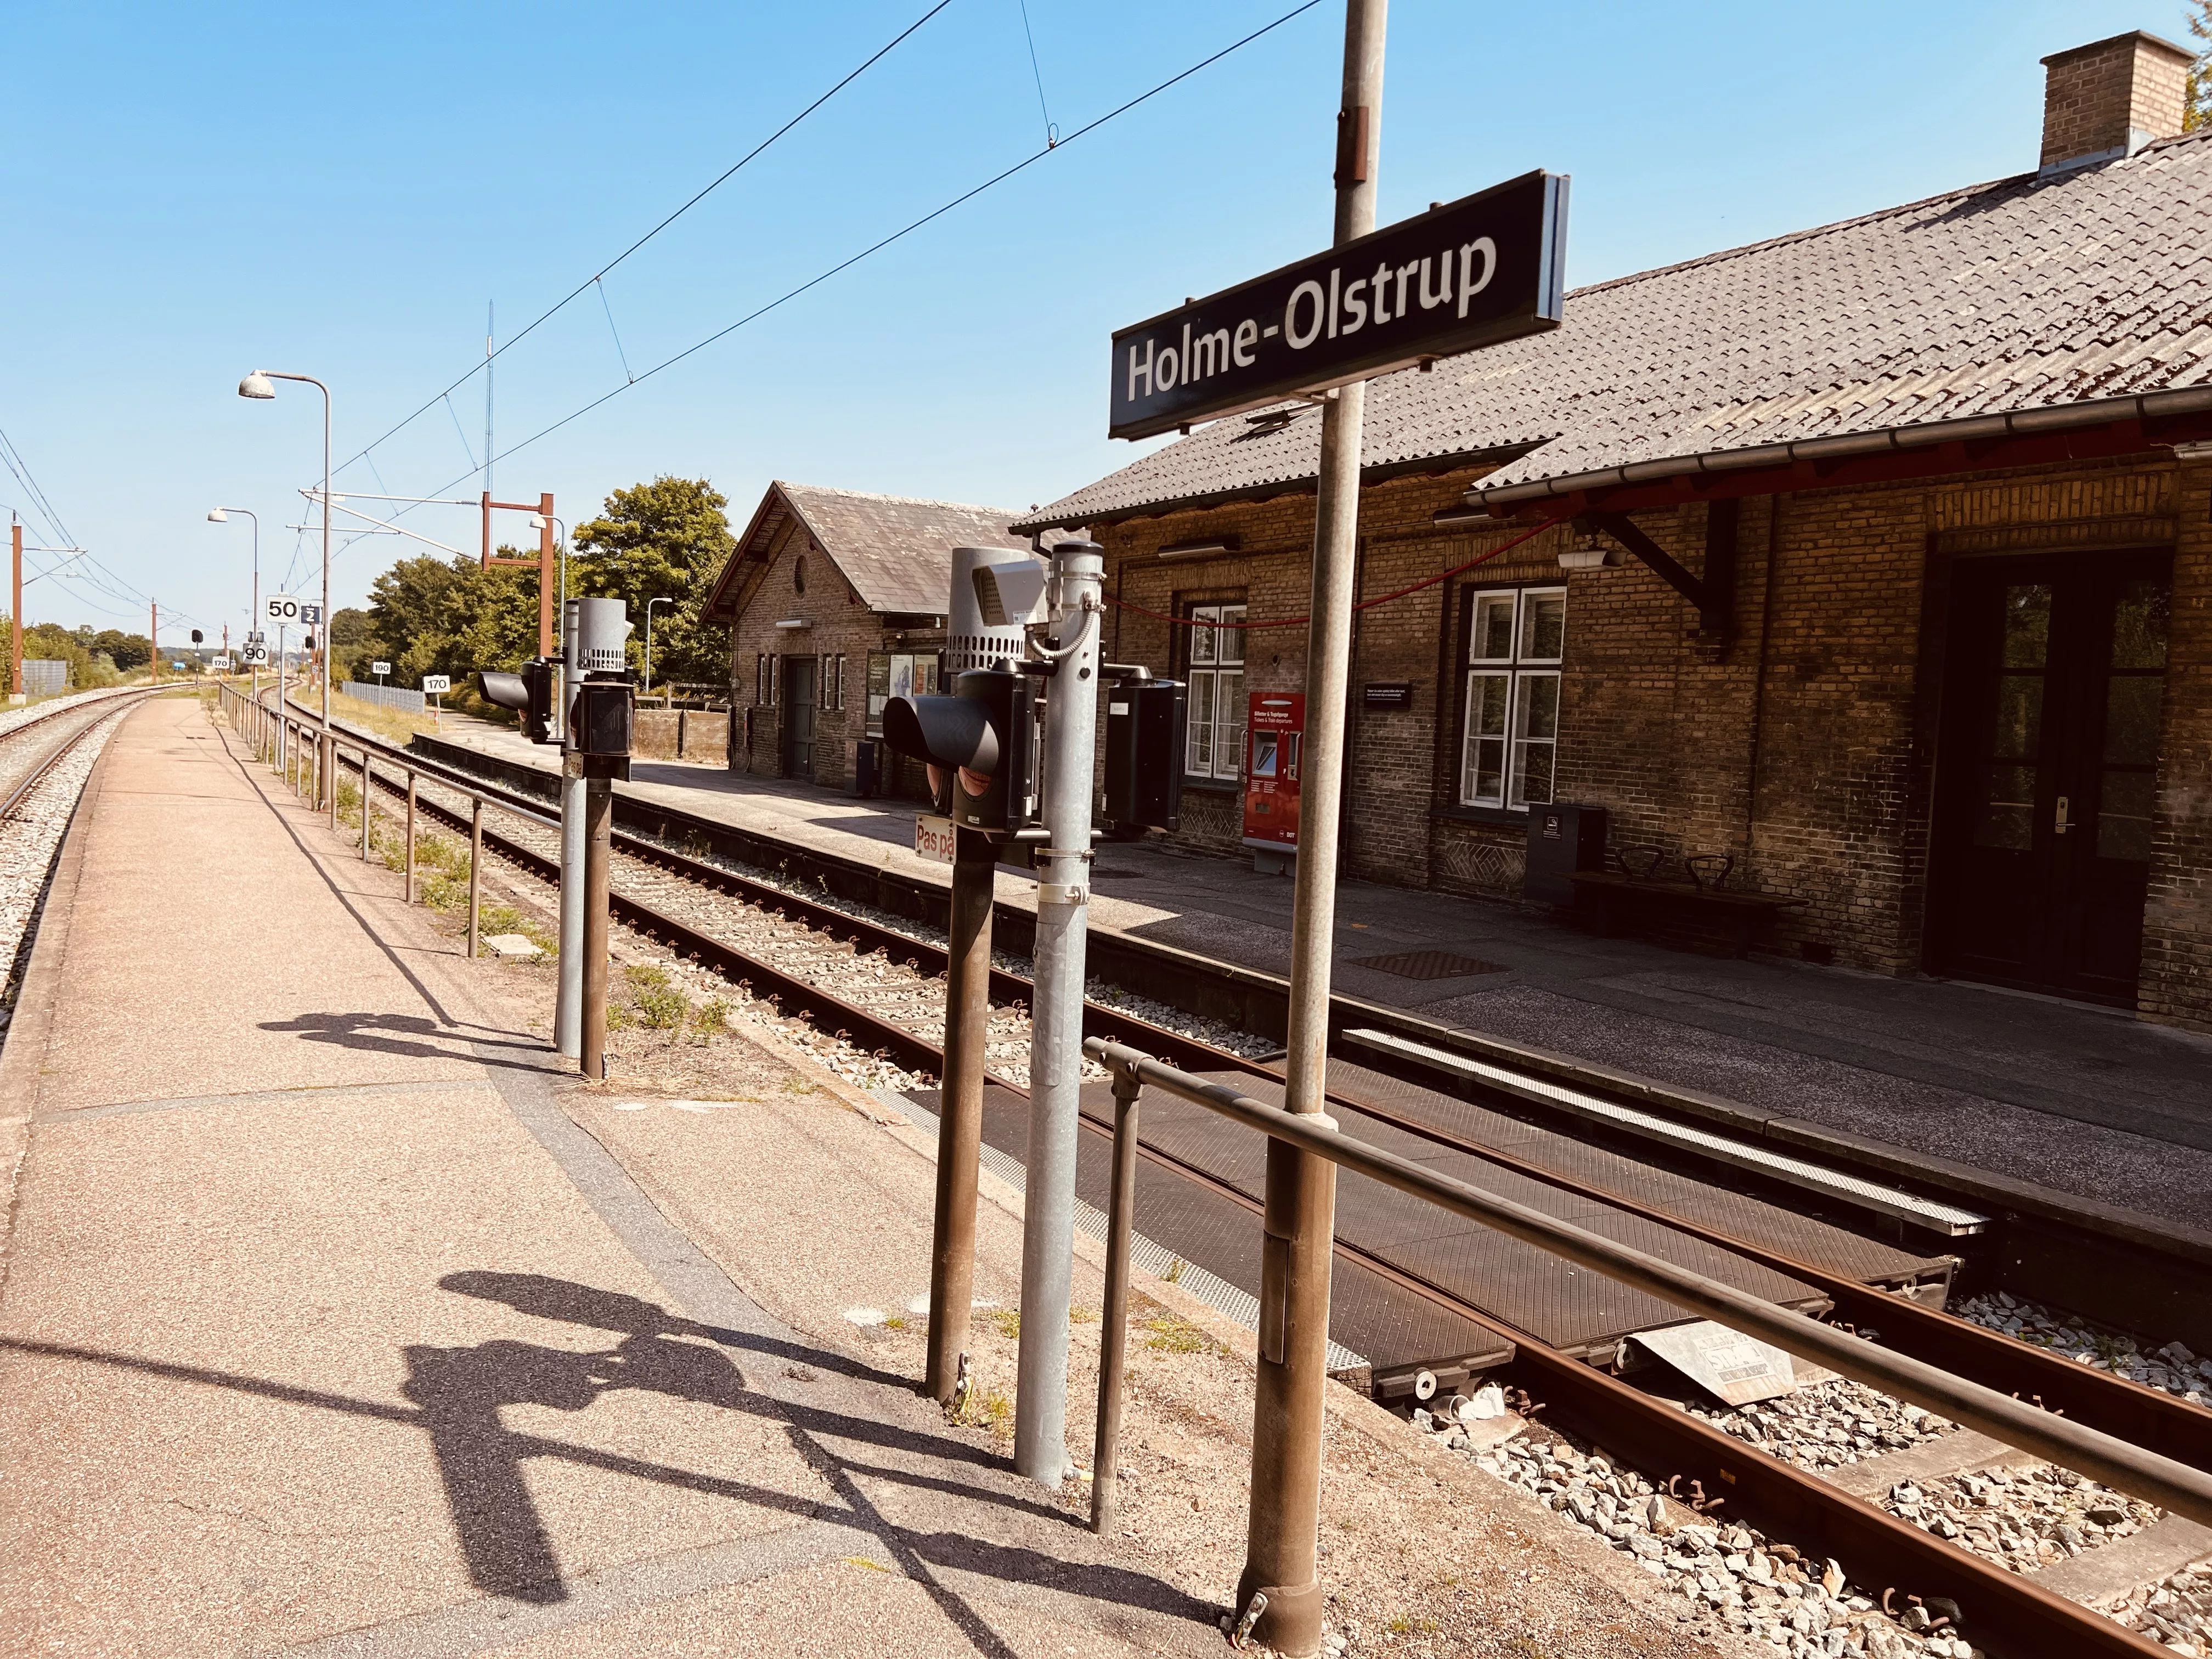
(1429, 964)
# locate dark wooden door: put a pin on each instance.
(799, 700)
(2056, 673)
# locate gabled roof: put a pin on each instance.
(896, 551)
(2028, 293)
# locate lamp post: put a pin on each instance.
(539, 522)
(256, 384)
(221, 515)
(649, 604)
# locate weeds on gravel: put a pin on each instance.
(660, 1006)
(1172, 1333)
(987, 1408)
(712, 1015)
(1008, 1321)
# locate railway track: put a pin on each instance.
(56, 724)
(1997, 1605)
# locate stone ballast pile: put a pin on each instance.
(2172, 1368)
(1733, 1576)
(2177, 1611)
(1825, 1425)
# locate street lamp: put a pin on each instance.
(256, 384)
(537, 521)
(221, 515)
(649, 604)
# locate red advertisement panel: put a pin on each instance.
(1274, 730)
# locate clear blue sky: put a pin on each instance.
(194, 191)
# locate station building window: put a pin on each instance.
(1510, 709)
(1213, 743)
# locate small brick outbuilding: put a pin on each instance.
(836, 601)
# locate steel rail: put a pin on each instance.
(2159, 1480)
(107, 710)
(1988, 1596)
(2148, 1417)
(1995, 1601)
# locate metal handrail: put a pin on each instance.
(2172, 1485)
(244, 709)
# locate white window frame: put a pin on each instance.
(1509, 702)
(1213, 737)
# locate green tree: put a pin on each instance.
(350, 630)
(2197, 112)
(665, 539)
(430, 616)
(127, 651)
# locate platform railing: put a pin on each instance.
(2171, 1485)
(295, 747)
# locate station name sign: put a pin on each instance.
(1487, 268)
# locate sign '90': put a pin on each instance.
(1478, 271)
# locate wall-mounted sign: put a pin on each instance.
(1486, 267)
(1387, 694)
(1275, 731)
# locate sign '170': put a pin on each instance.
(1475, 272)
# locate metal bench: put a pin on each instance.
(1602, 895)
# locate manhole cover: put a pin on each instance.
(1428, 964)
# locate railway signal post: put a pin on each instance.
(978, 755)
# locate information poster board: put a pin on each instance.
(1274, 731)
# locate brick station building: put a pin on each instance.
(836, 601)
(1888, 573)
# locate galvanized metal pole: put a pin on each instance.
(1283, 1527)
(960, 1111)
(1063, 866)
(598, 816)
(368, 810)
(1114, 1327)
(409, 877)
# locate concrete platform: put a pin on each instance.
(2082, 1099)
(339, 1320)
(326, 1329)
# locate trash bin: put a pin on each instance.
(864, 767)
(1562, 837)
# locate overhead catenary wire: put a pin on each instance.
(1051, 133)
(902, 232)
(721, 179)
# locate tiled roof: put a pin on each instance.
(896, 550)
(2024, 293)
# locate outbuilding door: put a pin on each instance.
(799, 700)
(2048, 772)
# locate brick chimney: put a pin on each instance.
(2110, 98)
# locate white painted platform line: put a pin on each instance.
(1890, 1201)
(1144, 1255)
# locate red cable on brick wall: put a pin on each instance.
(1365, 604)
